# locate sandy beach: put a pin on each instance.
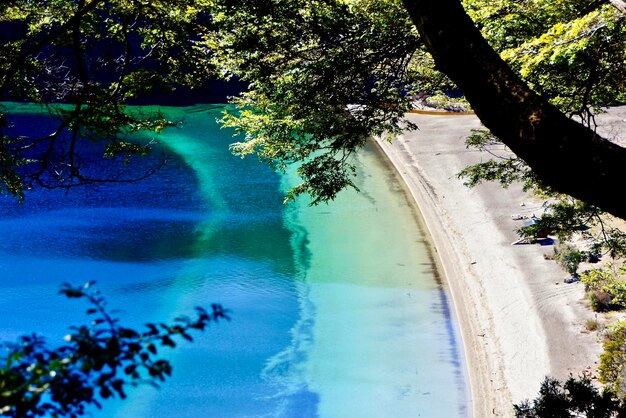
(519, 321)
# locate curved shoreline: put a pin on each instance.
(519, 322)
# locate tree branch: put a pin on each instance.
(620, 5)
(564, 154)
(41, 42)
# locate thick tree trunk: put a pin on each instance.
(563, 153)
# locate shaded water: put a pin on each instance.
(336, 309)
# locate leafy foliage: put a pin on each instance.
(575, 62)
(508, 24)
(572, 52)
(613, 360)
(569, 51)
(568, 257)
(323, 76)
(93, 56)
(576, 397)
(503, 166)
(596, 279)
(562, 214)
(97, 361)
(606, 287)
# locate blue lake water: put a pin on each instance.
(336, 309)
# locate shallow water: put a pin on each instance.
(336, 308)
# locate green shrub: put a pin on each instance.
(576, 397)
(568, 257)
(612, 361)
(606, 289)
(618, 291)
(596, 279)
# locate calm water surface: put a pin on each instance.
(336, 308)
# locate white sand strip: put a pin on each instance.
(519, 321)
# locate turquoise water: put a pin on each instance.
(336, 308)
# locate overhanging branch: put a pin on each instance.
(564, 154)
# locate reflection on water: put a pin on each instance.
(336, 309)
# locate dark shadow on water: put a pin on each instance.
(455, 355)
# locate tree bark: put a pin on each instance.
(620, 5)
(564, 154)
